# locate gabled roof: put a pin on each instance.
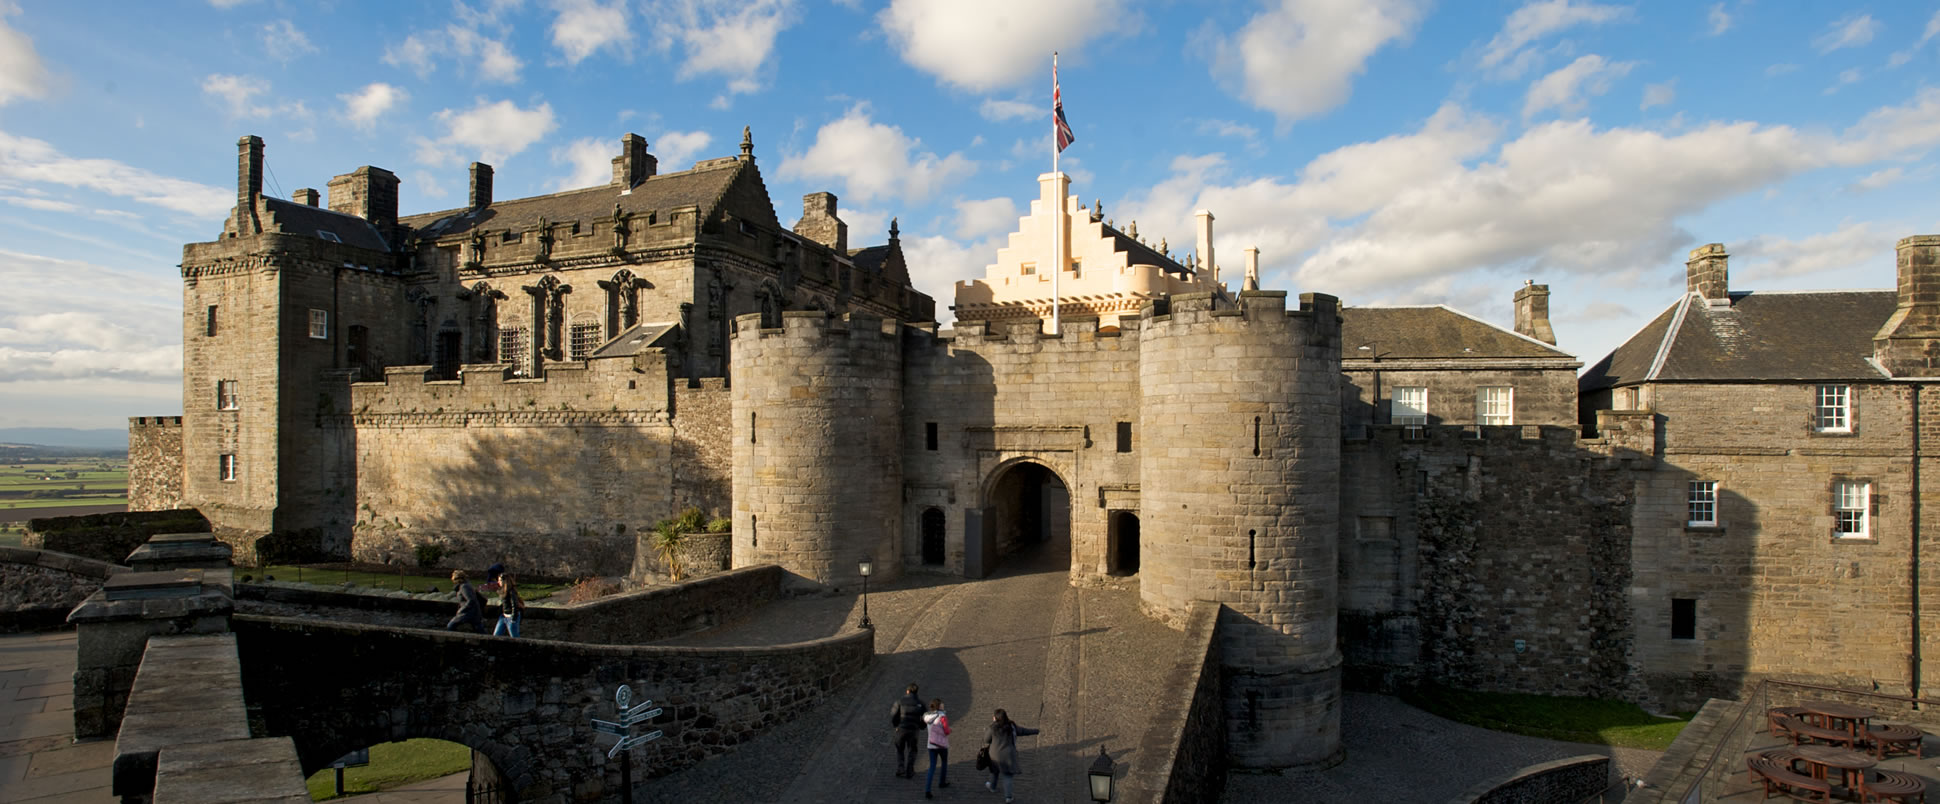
(701, 187)
(885, 261)
(308, 221)
(1761, 335)
(1435, 332)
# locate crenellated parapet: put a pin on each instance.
(606, 392)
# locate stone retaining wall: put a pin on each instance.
(109, 537)
(1182, 755)
(39, 587)
(701, 554)
(1574, 780)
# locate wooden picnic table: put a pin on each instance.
(1822, 757)
(1835, 715)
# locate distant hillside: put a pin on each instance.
(65, 437)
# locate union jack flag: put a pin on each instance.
(1065, 137)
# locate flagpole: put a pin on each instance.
(1057, 220)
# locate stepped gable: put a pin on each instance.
(305, 220)
(1760, 335)
(1141, 254)
(1433, 332)
(705, 187)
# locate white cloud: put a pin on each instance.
(936, 263)
(1508, 55)
(363, 107)
(1002, 110)
(238, 93)
(591, 161)
(42, 204)
(1846, 78)
(21, 73)
(1779, 69)
(31, 160)
(1659, 94)
(1932, 30)
(488, 132)
(732, 39)
(583, 27)
(1878, 180)
(54, 324)
(875, 160)
(1850, 31)
(227, 4)
(466, 46)
(993, 44)
(1564, 90)
(677, 149)
(426, 182)
(989, 216)
(1768, 257)
(284, 42)
(1719, 20)
(1324, 42)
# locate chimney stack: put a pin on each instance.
(1532, 312)
(1205, 247)
(1252, 269)
(634, 164)
(369, 193)
(249, 169)
(1908, 345)
(820, 223)
(306, 197)
(1705, 274)
(481, 195)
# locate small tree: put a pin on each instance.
(667, 538)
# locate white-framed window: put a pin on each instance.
(586, 338)
(1410, 405)
(1852, 502)
(1832, 412)
(319, 323)
(1495, 404)
(515, 347)
(1702, 504)
(226, 398)
(226, 467)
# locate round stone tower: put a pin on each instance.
(1240, 495)
(818, 475)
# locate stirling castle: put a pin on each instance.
(1377, 495)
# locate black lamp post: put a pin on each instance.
(1100, 776)
(864, 567)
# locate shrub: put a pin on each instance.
(429, 554)
(590, 589)
(667, 538)
(720, 525)
(691, 520)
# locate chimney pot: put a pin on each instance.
(306, 196)
(634, 165)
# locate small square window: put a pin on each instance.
(319, 324)
(1852, 502)
(1702, 504)
(226, 467)
(1410, 405)
(1495, 405)
(331, 236)
(1124, 436)
(929, 436)
(1683, 618)
(226, 398)
(1833, 411)
(1030, 268)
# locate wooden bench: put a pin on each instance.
(1773, 714)
(1779, 779)
(1801, 731)
(1893, 737)
(1905, 788)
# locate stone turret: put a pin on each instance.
(1532, 312)
(1706, 275)
(1908, 345)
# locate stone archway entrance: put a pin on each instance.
(1026, 518)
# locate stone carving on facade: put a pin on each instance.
(544, 230)
(423, 304)
(484, 300)
(620, 230)
(549, 314)
(622, 300)
(475, 250)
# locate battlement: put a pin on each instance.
(151, 422)
(801, 324)
(614, 386)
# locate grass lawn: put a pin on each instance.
(11, 538)
(1578, 720)
(120, 497)
(394, 764)
(382, 580)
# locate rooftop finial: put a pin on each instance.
(747, 142)
(893, 231)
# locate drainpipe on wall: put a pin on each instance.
(1913, 558)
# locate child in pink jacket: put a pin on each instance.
(939, 728)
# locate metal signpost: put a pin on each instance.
(628, 716)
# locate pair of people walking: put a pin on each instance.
(910, 716)
(471, 603)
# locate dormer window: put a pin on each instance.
(329, 235)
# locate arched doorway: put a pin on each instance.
(1026, 518)
(933, 530)
(1121, 544)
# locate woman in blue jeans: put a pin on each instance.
(939, 734)
(1002, 741)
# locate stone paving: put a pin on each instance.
(39, 760)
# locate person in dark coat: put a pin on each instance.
(1002, 742)
(907, 717)
(471, 605)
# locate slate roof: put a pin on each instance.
(1141, 254)
(1762, 335)
(700, 187)
(636, 339)
(1435, 332)
(303, 219)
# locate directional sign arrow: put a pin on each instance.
(609, 727)
(640, 716)
(629, 742)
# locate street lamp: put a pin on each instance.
(865, 566)
(1100, 776)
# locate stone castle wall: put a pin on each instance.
(155, 463)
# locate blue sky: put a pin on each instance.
(1391, 152)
